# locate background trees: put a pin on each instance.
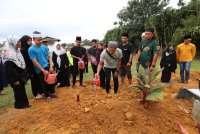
(170, 24)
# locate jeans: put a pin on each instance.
(185, 70)
(108, 72)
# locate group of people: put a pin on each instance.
(29, 58)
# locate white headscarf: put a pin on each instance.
(58, 53)
(10, 53)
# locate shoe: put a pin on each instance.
(82, 85)
(23, 107)
(103, 87)
(54, 95)
(29, 106)
(58, 85)
(48, 99)
(115, 94)
(108, 96)
(73, 86)
(68, 86)
(38, 97)
(181, 81)
(186, 82)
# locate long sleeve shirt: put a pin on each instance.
(185, 53)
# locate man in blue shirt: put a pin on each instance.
(42, 61)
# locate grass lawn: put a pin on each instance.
(8, 99)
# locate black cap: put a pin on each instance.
(125, 34)
(150, 29)
(78, 38)
(187, 37)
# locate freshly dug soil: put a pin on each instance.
(98, 114)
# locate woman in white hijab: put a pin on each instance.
(15, 71)
(61, 64)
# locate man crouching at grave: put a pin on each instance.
(110, 59)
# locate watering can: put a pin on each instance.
(96, 81)
(81, 64)
(50, 78)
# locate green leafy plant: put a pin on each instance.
(146, 85)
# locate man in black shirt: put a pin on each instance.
(78, 53)
(127, 51)
(92, 55)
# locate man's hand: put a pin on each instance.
(169, 65)
(51, 70)
(137, 62)
(17, 83)
(96, 75)
(151, 68)
(45, 72)
(79, 58)
(128, 64)
(116, 74)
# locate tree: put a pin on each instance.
(133, 17)
(86, 42)
(181, 3)
(113, 35)
(170, 24)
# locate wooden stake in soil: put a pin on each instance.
(78, 98)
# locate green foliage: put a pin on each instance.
(180, 3)
(170, 24)
(145, 85)
(113, 35)
(132, 19)
(86, 42)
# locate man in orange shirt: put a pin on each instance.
(185, 54)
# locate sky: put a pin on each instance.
(63, 19)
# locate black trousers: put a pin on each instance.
(36, 85)
(71, 69)
(86, 66)
(3, 81)
(63, 78)
(1, 85)
(108, 72)
(21, 99)
(48, 89)
(94, 68)
(166, 75)
(102, 78)
(1, 76)
(76, 70)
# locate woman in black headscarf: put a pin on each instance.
(168, 63)
(37, 90)
(61, 64)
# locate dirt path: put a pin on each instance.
(96, 114)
